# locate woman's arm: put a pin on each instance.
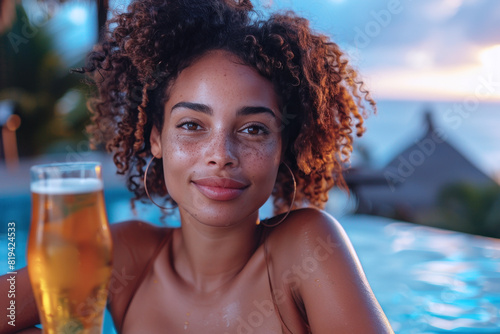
(16, 294)
(333, 288)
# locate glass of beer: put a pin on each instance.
(69, 247)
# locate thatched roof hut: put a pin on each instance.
(410, 185)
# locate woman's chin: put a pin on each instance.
(221, 218)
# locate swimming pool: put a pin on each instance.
(427, 280)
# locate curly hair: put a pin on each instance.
(145, 49)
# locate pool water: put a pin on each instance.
(427, 280)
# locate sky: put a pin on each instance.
(404, 49)
(420, 49)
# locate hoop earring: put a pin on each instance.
(291, 204)
(146, 187)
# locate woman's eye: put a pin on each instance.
(190, 126)
(255, 130)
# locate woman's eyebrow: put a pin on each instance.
(194, 106)
(207, 110)
(255, 110)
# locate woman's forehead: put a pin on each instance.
(218, 64)
(220, 78)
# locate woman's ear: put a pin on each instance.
(155, 141)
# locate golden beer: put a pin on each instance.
(69, 254)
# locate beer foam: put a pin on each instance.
(66, 186)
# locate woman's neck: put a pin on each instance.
(208, 257)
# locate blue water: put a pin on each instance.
(427, 280)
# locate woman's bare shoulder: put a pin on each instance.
(134, 244)
(315, 260)
(132, 229)
(315, 241)
(136, 241)
(303, 227)
(135, 225)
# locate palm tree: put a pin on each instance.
(33, 78)
(471, 208)
(8, 13)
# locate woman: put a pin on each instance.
(229, 110)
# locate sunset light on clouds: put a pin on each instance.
(441, 50)
(427, 49)
(422, 80)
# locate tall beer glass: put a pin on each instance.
(69, 247)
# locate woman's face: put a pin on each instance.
(221, 140)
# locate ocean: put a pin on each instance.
(473, 129)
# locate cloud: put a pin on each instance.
(447, 29)
(479, 22)
(412, 48)
(440, 10)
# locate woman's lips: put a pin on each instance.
(220, 189)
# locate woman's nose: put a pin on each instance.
(222, 151)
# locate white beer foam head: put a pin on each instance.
(66, 186)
